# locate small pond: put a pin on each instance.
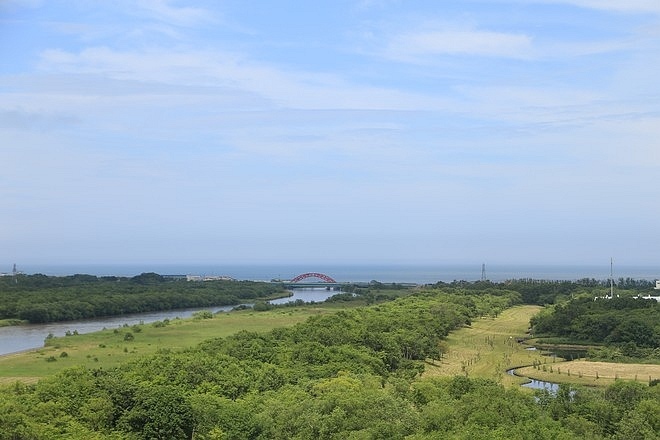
(567, 353)
(536, 384)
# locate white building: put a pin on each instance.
(209, 278)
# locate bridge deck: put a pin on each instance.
(310, 285)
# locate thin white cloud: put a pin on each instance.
(297, 89)
(363, 5)
(620, 6)
(18, 118)
(180, 16)
(526, 109)
(574, 49)
(11, 4)
(84, 31)
(415, 45)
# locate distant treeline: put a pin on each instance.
(40, 298)
(543, 292)
(349, 375)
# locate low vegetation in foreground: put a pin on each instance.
(353, 374)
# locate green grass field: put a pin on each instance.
(592, 373)
(488, 347)
(485, 349)
(109, 348)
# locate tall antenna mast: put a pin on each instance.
(14, 272)
(611, 277)
(483, 272)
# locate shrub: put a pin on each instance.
(261, 306)
(203, 314)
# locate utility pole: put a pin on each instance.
(611, 277)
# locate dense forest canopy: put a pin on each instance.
(40, 298)
(349, 375)
(624, 321)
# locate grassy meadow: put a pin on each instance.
(109, 348)
(592, 373)
(488, 348)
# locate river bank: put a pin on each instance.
(110, 347)
(11, 322)
(24, 336)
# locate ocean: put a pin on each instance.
(421, 274)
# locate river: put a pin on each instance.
(31, 336)
(309, 295)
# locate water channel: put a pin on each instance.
(556, 352)
(25, 337)
(536, 384)
(307, 295)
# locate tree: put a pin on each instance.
(634, 330)
(160, 412)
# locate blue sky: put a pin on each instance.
(354, 131)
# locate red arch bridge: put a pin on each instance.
(310, 280)
(321, 276)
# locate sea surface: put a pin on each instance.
(421, 274)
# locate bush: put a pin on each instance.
(261, 306)
(203, 314)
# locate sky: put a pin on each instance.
(343, 131)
